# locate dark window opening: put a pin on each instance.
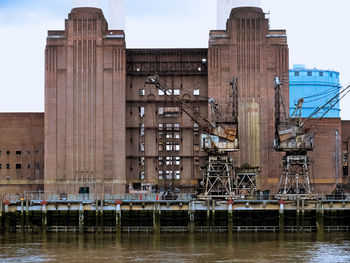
(28, 166)
(0, 152)
(7, 152)
(309, 73)
(345, 170)
(136, 186)
(296, 73)
(331, 74)
(28, 152)
(84, 190)
(7, 166)
(18, 152)
(18, 166)
(0, 166)
(36, 151)
(321, 74)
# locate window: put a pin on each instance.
(142, 92)
(7, 166)
(177, 175)
(160, 134)
(169, 126)
(18, 166)
(18, 152)
(28, 152)
(0, 166)
(176, 126)
(0, 152)
(160, 147)
(160, 92)
(142, 111)
(36, 151)
(160, 175)
(195, 126)
(176, 92)
(309, 73)
(142, 175)
(8, 152)
(169, 135)
(169, 92)
(169, 111)
(176, 135)
(28, 166)
(142, 129)
(321, 73)
(196, 92)
(331, 74)
(142, 147)
(142, 161)
(169, 146)
(160, 126)
(160, 161)
(176, 147)
(169, 174)
(177, 160)
(345, 170)
(296, 73)
(169, 160)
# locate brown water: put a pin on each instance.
(175, 248)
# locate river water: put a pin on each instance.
(242, 247)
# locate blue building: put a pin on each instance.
(317, 87)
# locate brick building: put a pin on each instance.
(106, 132)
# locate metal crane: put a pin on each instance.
(218, 139)
(295, 139)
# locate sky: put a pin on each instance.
(318, 36)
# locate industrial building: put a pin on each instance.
(106, 132)
(316, 86)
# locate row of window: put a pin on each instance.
(169, 92)
(168, 175)
(19, 152)
(19, 166)
(309, 73)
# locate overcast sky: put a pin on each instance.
(318, 36)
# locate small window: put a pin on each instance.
(331, 74)
(28, 166)
(160, 92)
(296, 73)
(177, 175)
(169, 160)
(18, 166)
(177, 160)
(321, 73)
(160, 161)
(160, 147)
(177, 135)
(0, 152)
(28, 152)
(142, 92)
(142, 161)
(142, 147)
(177, 147)
(309, 73)
(0, 165)
(142, 175)
(160, 175)
(169, 174)
(142, 111)
(345, 170)
(7, 166)
(176, 92)
(176, 126)
(196, 92)
(142, 129)
(169, 92)
(160, 126)
(160, 134)
(8, 152)
(18, 152)
(36, 151)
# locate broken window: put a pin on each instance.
(196, 92)
(142, 161)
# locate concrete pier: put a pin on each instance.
(175, 216)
